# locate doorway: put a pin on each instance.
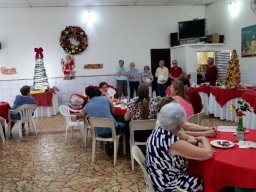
(156, 56)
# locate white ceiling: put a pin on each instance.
(74, 3)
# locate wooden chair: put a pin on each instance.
(196, 118)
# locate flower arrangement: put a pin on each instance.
(70, 34)
(242, 107)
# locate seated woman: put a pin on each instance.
(103, 86)
(142, 108)
(24, 98)
(167, 153)
(190, 128)
(178, 93)
(194, 96)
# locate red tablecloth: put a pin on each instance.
(43, 99)
(4, 107)
(204, 89)
(222, 96)
(119, 111)
(231, 166)
(250, 97)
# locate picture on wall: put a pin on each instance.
(248, 41)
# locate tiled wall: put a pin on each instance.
(9, 89)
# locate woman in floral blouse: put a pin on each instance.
(140, 108)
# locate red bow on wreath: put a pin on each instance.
(39, 53)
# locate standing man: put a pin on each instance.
(133, 77)
(175, 71)
(121, 80)
(162, 74)
(211, 74)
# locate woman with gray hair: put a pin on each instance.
(168, 151)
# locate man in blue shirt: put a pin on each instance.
(133, 77)
(100, 106)
(121, 80)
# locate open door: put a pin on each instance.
(156, 56)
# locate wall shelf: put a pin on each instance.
(199, 45)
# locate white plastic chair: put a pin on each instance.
(1, 130)
(196, 118)
(26, 113)
(140, 158)
(65, 111)
(103, 123)
(138, 125)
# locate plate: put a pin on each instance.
(219, 144)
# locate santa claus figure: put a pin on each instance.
(77, 101)
(68, 66)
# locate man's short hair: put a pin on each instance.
(121, 61)
(25, 90)
(92, 91)
(186, 82)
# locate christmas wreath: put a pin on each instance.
(73, 40)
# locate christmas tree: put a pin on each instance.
(40, 77)
(232, 79)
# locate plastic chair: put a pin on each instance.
(148, 124)
(196, 118)
(1, 130)
(103, 123)
(26, 115)
(65, 111)
(140, 158)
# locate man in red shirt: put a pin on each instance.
(194, 96)
(211, 74)
(175, 71)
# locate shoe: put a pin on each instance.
(109, 149)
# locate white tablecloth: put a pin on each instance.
(205, 102)
(48, 111)
(225, 114)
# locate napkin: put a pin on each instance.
(229, 129)
(246, 144)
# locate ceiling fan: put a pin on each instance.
(253, 5)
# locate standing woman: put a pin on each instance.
(133, 77)
(147, 78)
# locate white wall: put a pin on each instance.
(118, 32)
(221, 20)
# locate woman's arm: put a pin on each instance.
(190, 151)
(127, 115)
(196, 128)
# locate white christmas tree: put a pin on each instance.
(40, 77)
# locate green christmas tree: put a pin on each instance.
(233, 78)
(40, 77)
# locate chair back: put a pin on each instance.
(196, 118)
(102, 123)
(140, 158)
(135, 125)
(65, 111)
(25, 111)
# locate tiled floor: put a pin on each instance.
(45, 163)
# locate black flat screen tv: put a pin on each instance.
(192, 29)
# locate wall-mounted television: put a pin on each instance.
(192, 29)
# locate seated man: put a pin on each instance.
(100, 106)
(24, 98)
(194, 96)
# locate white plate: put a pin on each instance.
(215, 143)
